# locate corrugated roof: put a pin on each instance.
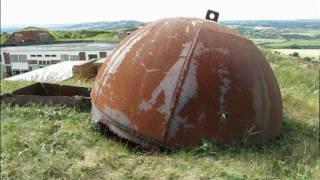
(91, 46)
(52, 73)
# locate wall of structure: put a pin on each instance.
(29, 36)
(17, 62)
(85, 71)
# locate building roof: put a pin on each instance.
(91, 46)
(52, 73)
(31, 28)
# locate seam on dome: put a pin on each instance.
(179, 85)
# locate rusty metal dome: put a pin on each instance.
(178, 81)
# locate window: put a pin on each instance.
(33, 55)
(14, 58)
(47, 55)
(74, 57)
(65, 57)
(39, 55)
(44, 62)
(22, 58)
(15, 71)
(19, 71)
(93, 56)
(53, 55)
(18, 58)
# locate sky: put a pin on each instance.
(37, 12)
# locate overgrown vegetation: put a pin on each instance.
(84, 35)
(43, 142)
(4, 36)
(96, 35)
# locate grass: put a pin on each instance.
(50, 142)
(3, 37)
(98, 35)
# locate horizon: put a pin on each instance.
(75, 23)
(36, 12)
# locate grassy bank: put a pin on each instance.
(42, 142)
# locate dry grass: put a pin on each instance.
(302, 52)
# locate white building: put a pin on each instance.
(21, 59)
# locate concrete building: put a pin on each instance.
(30, 34)
(21, 59)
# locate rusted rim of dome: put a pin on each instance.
(125, 132)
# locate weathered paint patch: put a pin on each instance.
(223, 88)
(175, 125)
(117, 115)
(187, 29)
(175, 36)
(189, 88)
(261, 102)
(199, 49)
(120, 55)
(223, 51)
(195, 22)
(167, 85)
(149, 70)
(201, 118)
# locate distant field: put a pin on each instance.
(303, 31)
(302, 52)
(295, 44)
(260, 41)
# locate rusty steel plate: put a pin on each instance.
(47, 93)
(178, 81)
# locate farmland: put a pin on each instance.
(302, 34)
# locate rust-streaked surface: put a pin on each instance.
(178, 81)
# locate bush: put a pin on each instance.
(295, 54)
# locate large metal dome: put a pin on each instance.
(178, 81)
